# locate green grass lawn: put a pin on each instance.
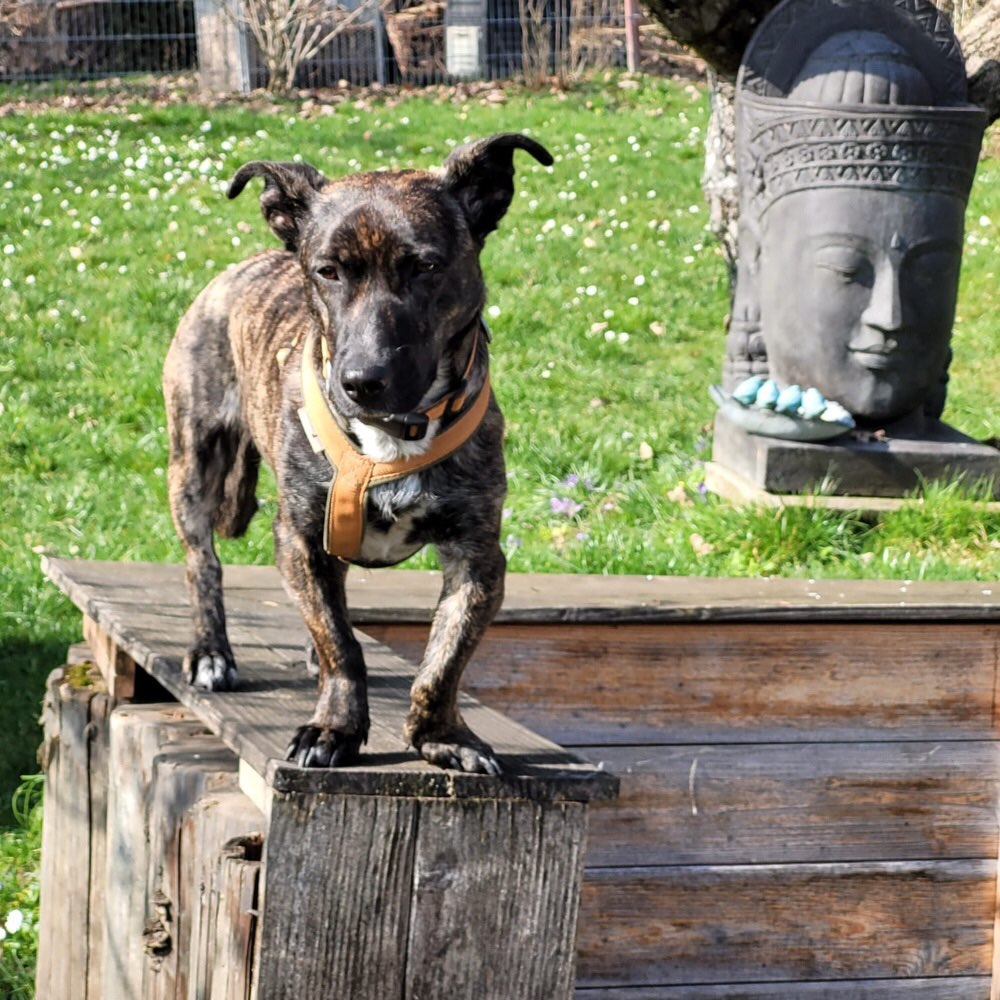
(607, 299)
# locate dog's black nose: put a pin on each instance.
(365, 386)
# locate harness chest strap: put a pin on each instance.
(354, 473)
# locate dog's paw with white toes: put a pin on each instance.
(478, 759)
(210, 670)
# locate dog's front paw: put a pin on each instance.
(210, 669)
(475, 759)
(454, 747)
(314, 746)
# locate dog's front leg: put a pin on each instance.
(471, 595)
(339, 724)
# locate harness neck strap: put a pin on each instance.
(354, 472)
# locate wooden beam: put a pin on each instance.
(142, 738)
(736, 682)
(394, 595)
(221, 839)
(943, 988)
(892, 920)
(195, 767)
(803, 802)
(73, 843)
(116, 666)
(235, 933)
(633, 17)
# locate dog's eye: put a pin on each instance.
(426, 266)
(331, 272)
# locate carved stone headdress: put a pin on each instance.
(844, 93)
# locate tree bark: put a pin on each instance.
(980, 39)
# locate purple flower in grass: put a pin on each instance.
(565, 506)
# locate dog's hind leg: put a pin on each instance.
(471, 595)
(339, 724)
(211, 481)
(197, 477)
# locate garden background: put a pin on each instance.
(607, 304)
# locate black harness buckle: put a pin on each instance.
(405, 426)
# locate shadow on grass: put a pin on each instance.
(24, 665)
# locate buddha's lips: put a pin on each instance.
(875, 355)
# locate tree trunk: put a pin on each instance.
(980, 38)
(719, 181)
(719, 31)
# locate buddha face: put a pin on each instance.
(858, 292)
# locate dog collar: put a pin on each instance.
(353, 472)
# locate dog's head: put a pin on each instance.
(391, 261)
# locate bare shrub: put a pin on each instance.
(290, 32)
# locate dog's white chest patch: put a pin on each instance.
(388, 536)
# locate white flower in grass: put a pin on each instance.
(493, 312)
(14, 922)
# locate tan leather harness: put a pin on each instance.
(354, 473)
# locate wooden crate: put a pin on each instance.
(809, 775)
(809, 770)
(229, 872)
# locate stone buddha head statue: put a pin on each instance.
(856, 152)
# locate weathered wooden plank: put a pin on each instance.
(74, 717)
(495, 900)
(326, 858)
(410, 595)
(995, 979)
(736, 682)
(117, 668)
(805, 802)
(949, 988)
(212, 824)
(139, 735)
(195, 766)
(238, 886)
(275, 697)
(101, 706)
(672, 926)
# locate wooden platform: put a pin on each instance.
(809, 769)
(387, 878)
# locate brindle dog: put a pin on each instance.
(383, 267)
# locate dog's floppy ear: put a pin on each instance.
(480, 175)
(285, 200)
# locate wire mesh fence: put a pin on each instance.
(88, 39)
(73, 42)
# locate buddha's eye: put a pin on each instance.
(329, 271)
(848, 264)
(932, 268)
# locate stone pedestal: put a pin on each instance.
(852, 466)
